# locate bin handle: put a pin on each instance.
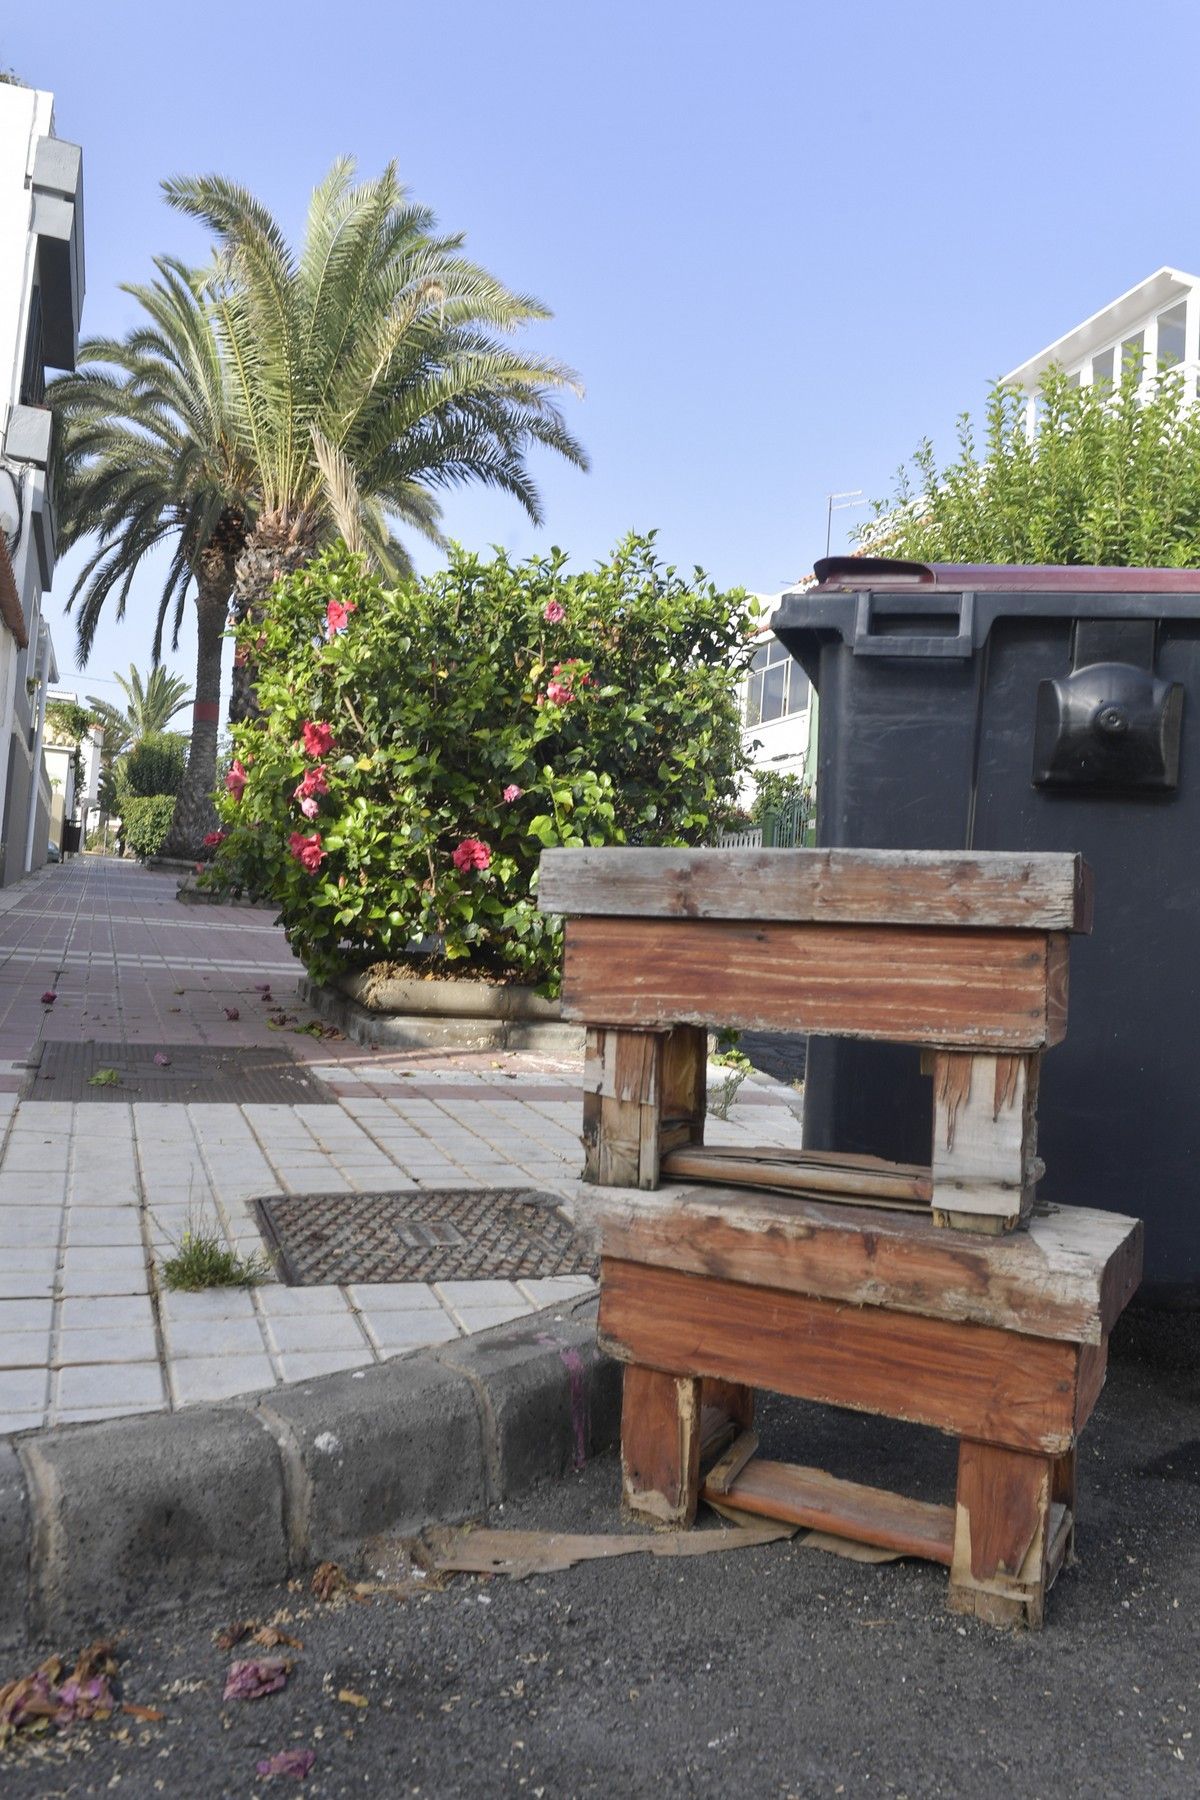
(868, 642)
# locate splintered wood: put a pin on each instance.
(643, 1095)
(985, 1163)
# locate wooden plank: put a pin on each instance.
(724, 1473)
(804, 1172)
(1068, 1276)
(895, 984)
(660, 1446)
(776, 1490)
(984, 1135)
(969, 1380)
(1031, 891)
(1001, 1535)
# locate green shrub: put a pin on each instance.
(458, 725)
(153, 767)
(146, 819)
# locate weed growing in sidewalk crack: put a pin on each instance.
(202, 1259)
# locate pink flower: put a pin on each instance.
(318, 738)
(337, 616)
(315, 782)
(512, 792)
(559, 693)
(213, 838)
(554, 612)
(236, 779)
(310, 806)
(307, 850)
(472, 853)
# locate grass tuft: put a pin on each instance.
(202, 1259)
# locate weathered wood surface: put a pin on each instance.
(985, 1134)
(975, 990)
(969, 1380)
(643, 1094)
(801, 1496)
(1068, 1276)
(660, 1446)
(858, 1179)
(1040, 891)
(1002, 1534)
(725, 1471)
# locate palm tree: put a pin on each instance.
(150, 705)
(151, 455)
(366, 375)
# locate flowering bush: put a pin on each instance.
(420, 745)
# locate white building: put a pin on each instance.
(1156, 322)
(41, 295)
(778, 705)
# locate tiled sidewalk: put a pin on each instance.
(93, 1195)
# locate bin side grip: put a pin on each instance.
(871, 608)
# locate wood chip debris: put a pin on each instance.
(484, 1551)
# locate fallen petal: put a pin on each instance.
(231, 1012)
(49, 997)
(287, 1762)
(251, 1679)
(164, 1062)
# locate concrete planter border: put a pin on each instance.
(459, 1015)
(174, 1507)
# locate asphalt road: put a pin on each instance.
(772, 1672)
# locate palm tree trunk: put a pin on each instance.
(195, 815)
(279, 544)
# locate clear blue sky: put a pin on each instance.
(781, 241)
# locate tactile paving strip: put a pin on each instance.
(430, 1234)
(174, 1072)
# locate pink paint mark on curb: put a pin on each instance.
(573, 1363)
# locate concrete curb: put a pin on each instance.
(163, 1509)
(424, 1031)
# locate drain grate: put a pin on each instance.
(435, 1234)
(177, 1072)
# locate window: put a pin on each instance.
(1102, 368)
(1171, 325)
(776, 685)
(33, 369)
(1133, 351)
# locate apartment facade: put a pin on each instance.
(778, 705)
(41, 299)
(1156, 322)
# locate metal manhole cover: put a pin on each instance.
(182, 1073)
(432, 1234)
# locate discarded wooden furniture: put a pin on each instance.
(708, 1293)
(964, 955)
(842, 1284)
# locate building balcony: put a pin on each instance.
(57, 222)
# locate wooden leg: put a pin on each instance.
(726, 1410)
(660, 1446)
(1062, 1493)
(1001, 1534)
